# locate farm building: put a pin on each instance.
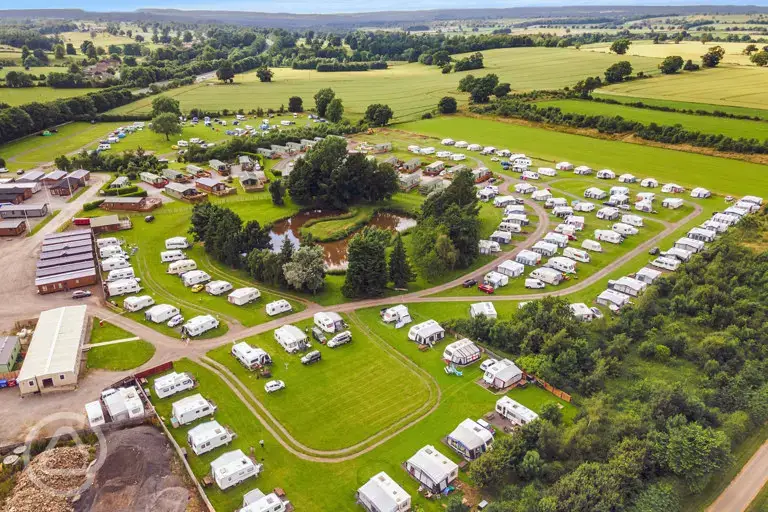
(184, 191)
(253, 180)
(432, 469)
(511, 268)
(528, 257)
(52, 362)
(232, 468)
(595, 193)
(470, 439)
(514, 411)
(398, 314)
(12, 227)
(502, 374)
(700, 193)
(124, 404)
(486, 309)
(647, 275)
(581, 311)
(24, 211)
(426, 333)
(131, 204)
(10, 346)
(613, 299)
(291, 338)
(382, 494)
(462, 352)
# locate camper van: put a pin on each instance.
(106, 242)
(161, 313)
(208, 436)
(181, 266)
(624, 229)
(243, 296)
(194, 277)
(198, 325)
(547, 275)
(612, 237)
(662, 262)
(329, 322)
(177, 242)
(173, 383)
(591, 245)
(576, 254)
(173, 255)
(279, 306)
(632, 220)
(123, 287)
(218, 287)
(137, 303)
(562, 264)
(250, 357)
(121, 273)
(191, 408)
(111, 251)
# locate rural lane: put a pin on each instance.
(745, 486)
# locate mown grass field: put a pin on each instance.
(107, 332)
(120, 356)
(409, 89)
(736, 86)
(37, 71)
(735, 128)
(688, 105)
(686, 49)
(22, 95)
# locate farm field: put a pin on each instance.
(22, 95)
(37, 71)
(409, 89)
(687, 105)
(737, 86)
(735, 128)
(102, 39)
(686, 49)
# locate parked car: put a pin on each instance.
(274, 385)
(318, 334)
(469, 283)
(596, 312)
(176, 320)
(198, 288)
(311, 357)
(149, 218)
(654, 251)
(487, 364)
(81, 294)
(486, 288)
(340, 339)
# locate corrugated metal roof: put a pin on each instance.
(67, 234)
(80, 274)
(72, 251)
(63, 269)
(65, 260)
(55, 345)
(11, 224)
(7, 344)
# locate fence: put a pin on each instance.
(161, 368)
(552, 389)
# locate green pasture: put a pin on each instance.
(22, 95)
(687, 105)
(735, 128)
(120, 356)
(102, 39)
(37, 71)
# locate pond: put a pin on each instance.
(336, 251)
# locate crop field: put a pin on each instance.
(735, 128)
(102, 39)
(409, 89)
(736, 86)
(686, 49)
(22, 95)
(688, 105)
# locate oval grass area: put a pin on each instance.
(120, 356)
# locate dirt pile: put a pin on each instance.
(51, 476)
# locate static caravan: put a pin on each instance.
(291, 338)
(564, 166)
(647, 275)
(250, 357)
(558, 239)
(670, 264)
(541, 195)
(582, 312)
(613, 300)
(106, 242)
(137, 303)
(673, 203)
(111, 251)
(199, 325)
(504, 201)
(208, 436)
(627, 178)
(172, 255)
(177, 242)
(700, 193)
(612, 237)
(470, 439)
(218, 287)
(705, 235)
(547, 275)
(649, 183)
(583, 206)
(329, 321)
(545, 249)
(496, 279)
(547, 171)
(689, 244)
(527, 257)
(173, 383)
(678, 253)
(605, 174)
(582, 170)
(161, 313)
(511, 268)
(426, 333)
(672, 188)
(243, 296)
(462, 352)
(501, 236)
(595, 193)
(713, 225)
(576, 254)
(577, 221)
(95, 414)
(628, 285)
(123, 287)
(514, 412)
(191, 408)
(517, 218)
(624, 229)
(433, 470)
(181, 266)
(121, 273)
(510, 227)
(194, 277)
(608, 213)
(562, 264)
(592, 245)
(562, 211)
(232, 468)
(486, 309)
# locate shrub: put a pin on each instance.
(87, 207)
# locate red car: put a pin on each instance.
(485, 288)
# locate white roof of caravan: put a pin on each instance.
(485, 308)
(55, 345)
(94, 410)
(690, 241)
(702, 231)
(699, 190)
(207, 430)
(159, 308)
(291, 331)
(189, 403)
(595, 191)
(437, 466)
(513, 266)
(262, 503)
(545, 246)
(400, 309)
(579, 309)
(562, 260)
(471, 434)
(427, 328)
(464, 346)
(542, 193)
(176, 239)
(528, 255)
(230, 462)
(503, 369)
(650, 272)
(673, 200)
(214, 284)
(522, 411)
(243, 292)
(198, 320)
(615, 297)
(547, 270)
(136, 299)
(384, 492)
(329, 315)
(505, 235)
(169, 379)
(194, 273)
(556, 236)
(631, 282)
(753, 199)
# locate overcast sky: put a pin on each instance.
(329, 6)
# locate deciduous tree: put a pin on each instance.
(166, 124)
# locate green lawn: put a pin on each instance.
(120, 356)
(735, 128)
(534, 398)
(107, 332)
(687, 105)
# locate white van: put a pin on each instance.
(114, 263)
(577, 254)
(121, 273)
(279, 306)
(161, 313)
(106, 242)
(177, 242)
(671, 264)
(562, 264)
(110, 251)
(194, 277)
(181, 266)
(137, 302)
(174, 255)
(218, 287)
(624, 229)
(591, 245)
(511, 227)
(123, 287)
(632, 220)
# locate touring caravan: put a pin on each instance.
(137, 303)
(172, 255)
(208, 436)
(110, 251)
(564, 166)
(577, 221)
(486, 309)
(647, 275)
(278, 306)
(181, 266)
(541, 195)
(329, 322)
(232, 468)
(398, 314)
(199, 325)
(510, 227)
(511, 268)
(496, 279)
(678, 253)
(218, 287)
(123, 287)
(582, 170)
(576, 254)
(504, 201)
(582, 312)
(713, 225)
(547, 275)
(462, 352)
(515, 412)
(726, 218)
(705, 235)
(605, 235)
(649, 183)
(433, 470)
(173, 383)
(556, 238)
(689, 244)
(554, 202)
(161, 313)
(562, 264)
(632, 220)
(605, 174)
(613, 300)
(502, 237)
(291, 338)
(592, 245)
(628, 285)
(562, 211)
(547, 171)
(194, 277)
(517, 218)
(95, 414)
(426, 333)
(627, 178)
(672, 203)
(671, 264)
(250, 357)
(120, 273)
(176, 242)
(608, 213)
(594, 193)
(191, 408)
(106, 242)
(545, 249)
(566, 229)
(243, 296)
(624, 229)
(583, 206)
(528, 257)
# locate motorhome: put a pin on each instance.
(547, 275)
(123, 287)
(632, 220)
(173, 383)
(426, 333)
(577, 254)
(161, 313)
(329, 321)
(218, 287)
(662, 262)
(242, 296)
(624, 229)
(562, 264)
(199, 325)
(111, 251)
(208, 436)
(172, 255)
(121, 273)
(604, 235)
(250, 357)
(232, 468)
(181, 266)
(194, 277)
(106, 242)
(278, 306)
(291, 338)
(592, 245)
(689, 244)
(137, 303)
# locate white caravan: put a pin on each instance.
(172, 255)
(114, 263)
(218, 287)
(562, 264)
(576, 254)
(208, 436)
(242, 296)
(181, 266)
(177, 242)
(232, 468)
(278, 306)
(199, 325)
(329, 322)
(591, 245)
(161, 313)
(121, 273)
(173, 383)
(671, 264)
(123, 287)
(191, 408)
(137, 303)
(106, 242)
(194, 277)
(250, 357)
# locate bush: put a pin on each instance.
(426, 115)
(121, 191)
(87, 207)
(447, 105)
